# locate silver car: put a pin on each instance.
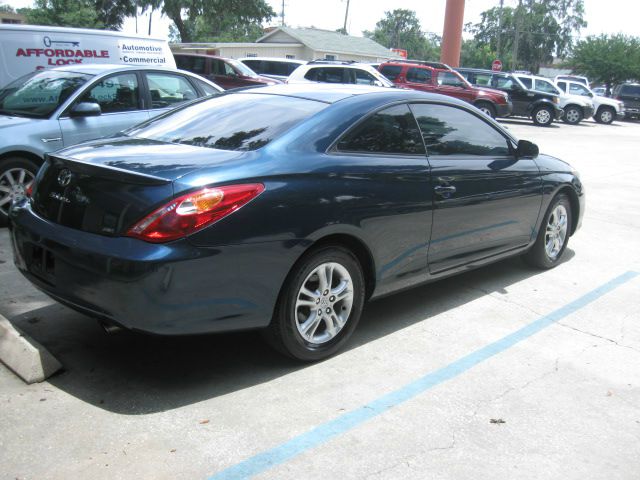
(47, 110)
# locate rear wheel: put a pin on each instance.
(319, 306)
(16, 175)
(605, 115)
(487, 109)
(573, 115)
(542, 116)
(553, 236)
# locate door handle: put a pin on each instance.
(444, 191)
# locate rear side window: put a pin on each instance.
(392, 130)
(527, 82)
(562, 86)
(391, 71)
(191, 64)
(482, 79)
(364, 78)
(277, 68)
(167, 89)
(418, 75)
(238, 121)
(630, 90)
(254, 65)
(453, 131)
(326, 75)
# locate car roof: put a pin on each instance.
(332, 93)
(276, 59)
(98, 68)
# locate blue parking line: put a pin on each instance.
(326, 431)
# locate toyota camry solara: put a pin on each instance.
(285, 208)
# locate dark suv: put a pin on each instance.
(437, 77)
(543, 108)
(225, 72)
(629, 94)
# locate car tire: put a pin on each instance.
(487, 109)
(542, 116)
(315, 325)
(12, 170)
(605, 115)
(553, 236)
(573, 115)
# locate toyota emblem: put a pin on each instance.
(64, 177)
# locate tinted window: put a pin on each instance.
(630, 90)
(483, 79)
(277, 68)
(326, 75)
(527, 82)
(167, 90)
(39, 94)
(391, 71)
(254, 65)
(418, 75)
(562, 86)
(218, 67)
(365, 78)
(392, 130)
(450, 79)
(191, 64)
(453, 131)
(119, 93)
(230, 122)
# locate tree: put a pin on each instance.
(80, 13)
(6, 8)
(217, 20)
(608, 59)
(401, 28)
(476, 55)
(542, 29)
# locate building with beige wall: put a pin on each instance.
(297, 43)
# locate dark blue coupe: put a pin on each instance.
(285, 208)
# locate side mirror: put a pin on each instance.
(591, 94)
(527, 149)
(86, 109)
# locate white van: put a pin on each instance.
(25, 48)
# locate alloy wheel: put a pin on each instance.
(543, 116)
(572, 115)
(324, 303)
(556, 231)
(606, 116)
(13, 185)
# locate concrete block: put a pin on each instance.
(24, 356)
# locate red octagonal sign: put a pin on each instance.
(496, 66)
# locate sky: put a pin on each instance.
(603, 16)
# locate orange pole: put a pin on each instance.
(452, 33)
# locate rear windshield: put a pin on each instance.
(39, 94)
(630, 90)
(239, 121)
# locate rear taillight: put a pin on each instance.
(189, 213)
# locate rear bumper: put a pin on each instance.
(170, 289)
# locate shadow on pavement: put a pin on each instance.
(135, 374)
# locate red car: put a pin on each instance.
(225, 72)
(437, 77)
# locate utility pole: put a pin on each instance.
(517, 18)
(499, 53)
(282, 15)
(346, 14)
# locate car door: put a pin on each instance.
(520, 98)
(449, 83)
(420, 79)
(383, 173)
(486, 201)
(121, 103)
(167, 91)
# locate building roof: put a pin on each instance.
(331, 41)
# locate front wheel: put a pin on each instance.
(16, 176)
(605, 115)
(553, 236)
(543, 116)
(573, 115)
(487, 109)
(319, 306)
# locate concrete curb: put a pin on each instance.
(24, 356)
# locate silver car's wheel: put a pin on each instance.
(324, 303)
(605, 115)
(556, 231)
(14, 183)
(572, 115)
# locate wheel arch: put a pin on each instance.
(569, 105)
(38, 160)
(575, 205)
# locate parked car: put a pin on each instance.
(225, 72)
(29, 48)
(576, 107)
(629, 94)
(285, 208)
(333, 71)
(606, 109)
(573, 78)
(543, 108)
(440, 78)
(600, 91)
(277, 68)
(47, 110)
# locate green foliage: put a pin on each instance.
(217, 20)
(401, 28)
(546, 29)
(101, 14)
(607, 58)
(476, 55)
